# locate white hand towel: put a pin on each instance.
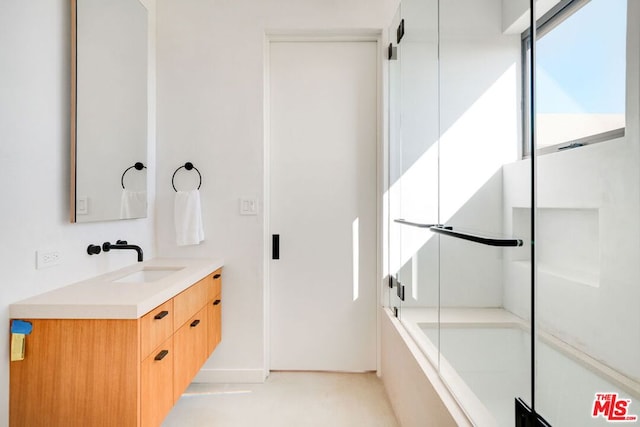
(133, 204)
(188, 218)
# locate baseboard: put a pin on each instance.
(231, 376)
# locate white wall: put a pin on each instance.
(598, 184)
(34, 166)
(210, 112)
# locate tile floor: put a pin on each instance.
(287, 399)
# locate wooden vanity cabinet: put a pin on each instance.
(104, 372)
(190, 301)
(214, 312)
(77, 373)
(156, 384)
(190, 343)
(155, 327)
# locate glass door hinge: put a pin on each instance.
(400, 31)
(392, 53)
(401, 291)
(391, 282)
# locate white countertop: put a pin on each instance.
(103, 297)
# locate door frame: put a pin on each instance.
(274, 36)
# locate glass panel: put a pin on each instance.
(485, 191)
(417, 186)
(587, 251)
(395, 167)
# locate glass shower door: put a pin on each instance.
(414, 157)
(485, 212)
(395, 171)
(587, 350)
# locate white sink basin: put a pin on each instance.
(148, 274)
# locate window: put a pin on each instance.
(580, 74)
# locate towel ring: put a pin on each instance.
(138, 166)
(188, 166)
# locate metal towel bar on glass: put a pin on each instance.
(472, 237)
(490, 241)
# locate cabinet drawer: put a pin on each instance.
(214, 324)
(215, 287)
(155, 327)
(188, 302)
(156, 381)
(190, 346)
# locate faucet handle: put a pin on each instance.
(121, 242)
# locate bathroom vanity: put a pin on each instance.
(118, 349)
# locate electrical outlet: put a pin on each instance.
(46, 259)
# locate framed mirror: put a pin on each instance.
(109, 105)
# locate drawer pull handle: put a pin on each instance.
(161, 355)
(195, 323)
(160, 315)
(216, 302)
(216, 276)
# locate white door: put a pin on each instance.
(323, 137)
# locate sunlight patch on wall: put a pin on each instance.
(450, 172)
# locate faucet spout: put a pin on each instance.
(107, 246)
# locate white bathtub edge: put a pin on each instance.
(405, 370)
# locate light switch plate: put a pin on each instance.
(248, 206)
(82, 206)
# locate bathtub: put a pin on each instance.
(485, 363)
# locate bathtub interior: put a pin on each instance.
(485, 364)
